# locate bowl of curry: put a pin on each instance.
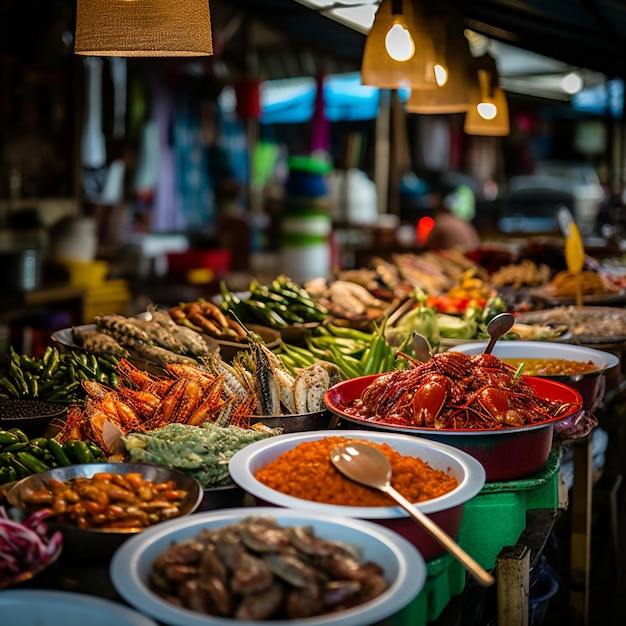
(584, 369)
(294, 471)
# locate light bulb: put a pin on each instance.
(487, 110)
(572, 83)
(399, 43)
(441, 74)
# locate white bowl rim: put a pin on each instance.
(49, 600)
(472, 482)
(127, 581)
(609, 359)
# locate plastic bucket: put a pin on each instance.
(543, 587)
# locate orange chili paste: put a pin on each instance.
(307, 472)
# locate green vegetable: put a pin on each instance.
(58, 452)
(7, 438)
(31, 462)
(421, 319)
(201, 451)
(79, 451)
(454, 327)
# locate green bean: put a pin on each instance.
(349, 333)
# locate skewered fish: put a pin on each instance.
(193, 341)
(98, 342)
(122, 329)
(159, 335)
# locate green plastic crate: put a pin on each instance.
(496, 517)
(445, 579)
(493, 519)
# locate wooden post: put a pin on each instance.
(581, 532)
(512, 579)
(382, 151)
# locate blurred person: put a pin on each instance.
(454, 208)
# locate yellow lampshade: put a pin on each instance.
(488, 95)
(143, 28)
(379, 69)
(455, 96)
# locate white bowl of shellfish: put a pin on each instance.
(391, 571)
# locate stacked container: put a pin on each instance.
(306, 222)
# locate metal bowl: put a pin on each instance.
(505, 453)
(30, 415)
(299, 422)
(88, 544)
(590, 385)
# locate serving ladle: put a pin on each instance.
(368, 466)
(421, 348)
(498, 326)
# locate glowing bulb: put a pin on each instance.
(487, 110)
(399, 43)
(441, 74)
(572, 83)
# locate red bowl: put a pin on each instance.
(505, 453)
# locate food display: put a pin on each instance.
(55, 376)
(22, 456)
(107, 500)
(507, 453)
(219, 393)
(455, 465)
(97, 506)
(586, 369)
(587, 324)
(345, 300)
(526, 273)
(156, 391)
(542, 366)
(200, 451)
(285, 558)
(305, 472)
(454, 391)
(278, 305)
(26, 547)
(267, 571)
(594, 287)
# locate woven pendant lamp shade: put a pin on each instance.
(143, 28)
(379, 69)
(456, 95)
(489, 91)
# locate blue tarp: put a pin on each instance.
(601, 99)
(292, 101)
(346, 99)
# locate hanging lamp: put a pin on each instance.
(453, 54)
(143, 28)
(401, 29)
(488, 114)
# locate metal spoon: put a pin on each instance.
(367, 466)
(498, 326)
(421, 348)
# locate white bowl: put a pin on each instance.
(446, 510)
(590, 385)
(404, 568)
(35, 607)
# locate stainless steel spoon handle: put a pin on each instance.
(483, 577)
